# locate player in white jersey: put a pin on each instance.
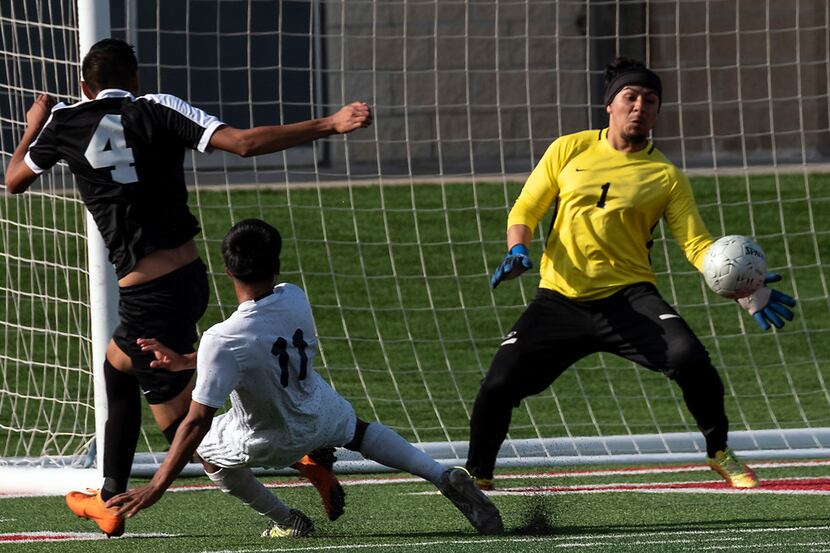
(262, 357)
(126, 151)
(276, 397)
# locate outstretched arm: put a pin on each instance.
(18, 175)
(274, 138)
(188, 437)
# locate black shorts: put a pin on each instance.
(555, 332)
(167, 309)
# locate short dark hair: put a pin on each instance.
(110, 63)
(625, 71)
(251, 251)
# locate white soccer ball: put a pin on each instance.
(734, 266)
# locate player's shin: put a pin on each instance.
(242, 484)
(120, 437)
(489, 423)
(121, 431)
(703, 393)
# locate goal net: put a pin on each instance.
(393, 230)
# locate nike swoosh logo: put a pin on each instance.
(669, 316)
(578, 170)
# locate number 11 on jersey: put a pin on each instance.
(108, 148)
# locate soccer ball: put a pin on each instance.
(734, 266)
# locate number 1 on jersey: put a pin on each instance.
(108, 148)
(605, 187)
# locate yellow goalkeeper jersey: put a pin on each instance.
(606, 205)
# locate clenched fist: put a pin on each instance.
(40, 111)
(353, 116)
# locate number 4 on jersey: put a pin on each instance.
(108, 148)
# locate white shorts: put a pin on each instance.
(231, 443)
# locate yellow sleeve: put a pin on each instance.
(539, 190)
(685, 222)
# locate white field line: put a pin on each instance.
(517, 476)
(526, 476)
(648, 487)
(584, 540)
(522, 476)
(655, 490)
(780, 546)
(10, 538)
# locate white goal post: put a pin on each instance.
(38, 474)
(393, 230)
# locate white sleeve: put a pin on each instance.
(195, 126)
(217, 371)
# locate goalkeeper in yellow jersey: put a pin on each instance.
(608, 189)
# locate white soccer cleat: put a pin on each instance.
(297, 526)
(459, 487)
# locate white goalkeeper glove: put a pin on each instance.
(768, 306)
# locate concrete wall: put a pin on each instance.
(741, 82)
(473, 87)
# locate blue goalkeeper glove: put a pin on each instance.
(515, 262)
(768, 306)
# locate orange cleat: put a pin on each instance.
(89, 505)
(318, 466)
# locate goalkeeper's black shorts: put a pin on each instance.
(167, 309)
(555, 332)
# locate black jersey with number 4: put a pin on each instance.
(127, 155)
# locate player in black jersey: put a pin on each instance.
(126, 152)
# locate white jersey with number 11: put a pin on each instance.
(262, 357)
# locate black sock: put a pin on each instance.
(111, 488)
(359, 431)
(715, 441)
(703, 393)
(489, 423)
(121, 430)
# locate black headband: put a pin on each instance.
(640, 76)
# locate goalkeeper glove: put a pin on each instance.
(768, 306)
(515, 262)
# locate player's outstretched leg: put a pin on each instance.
(703, 393)
(89, 505)
(733, 470)
(459, 487)
(296, 526)
(318, 467)
(385, 446)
